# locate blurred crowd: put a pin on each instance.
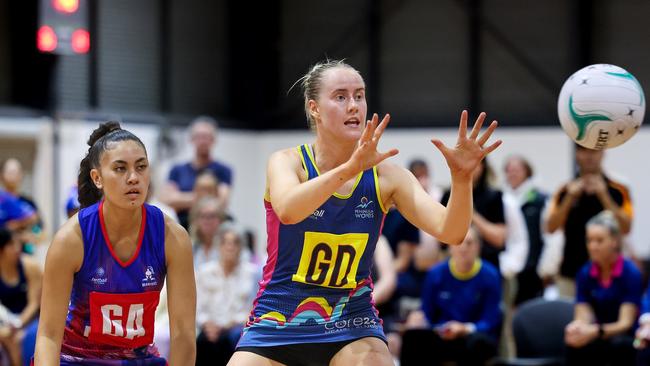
(437, 302)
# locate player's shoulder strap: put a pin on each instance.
(308, 161)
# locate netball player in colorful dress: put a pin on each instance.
(325, 204)
(107, 264)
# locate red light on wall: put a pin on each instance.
(80, 41)
(46, 40)
(66, 6)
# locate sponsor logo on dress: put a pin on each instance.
(98, 278)
(317, 214)
(149, 279)
(362, 211)
(352, 323)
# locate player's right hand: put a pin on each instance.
(366, 155)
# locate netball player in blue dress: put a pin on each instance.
(107, 264)
(325, 204)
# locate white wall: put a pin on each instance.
(548, 149)
(550, 152)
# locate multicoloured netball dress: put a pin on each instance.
(317, 285)
(111, 313)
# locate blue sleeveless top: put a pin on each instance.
(112, 304)
(317, 284)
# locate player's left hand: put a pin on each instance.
(463, 158)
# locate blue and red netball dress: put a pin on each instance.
(111, 314)
(316, 285)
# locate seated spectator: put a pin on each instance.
(20, 292)
(178, 192)
(12, 180)
(249, 250)
(428, 252)
(224, 289)
(206, 218)
(413, 251)
(72, 204)
(384, 274)
(153, 200)
(206, 185)
(15, 215)
(384, 277)
(642, 336)
(531, 201)
(460, 318)
(489, 216)
(607, 300)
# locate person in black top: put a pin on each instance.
(577, 201)
(411, 261)
(489, 217)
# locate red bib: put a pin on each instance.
(123, 320)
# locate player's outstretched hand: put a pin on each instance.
(366, 155)
(463, 158)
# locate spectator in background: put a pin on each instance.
(12, 180)
(411, 259)
(72, 204)
(153, 199)
(225, 289)
(20, 294)
(402, 238)
(17, 211)
(422, 173)
(502, 230)
(642, 335)
(578, 201)
(532, 201)
(384, 274)
(206, 185)
(15, 215)
(31, 232)
(384, 278)
(460, 318)
(427, 253)
(249, 249)
(607, 302)
(206, 218)
(489, 216)
(178, 192)
(162, 336)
